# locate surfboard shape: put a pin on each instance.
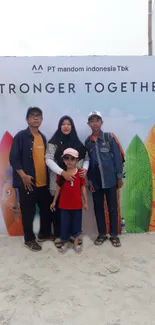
(150, 146)
(137, 190)
(9, 198)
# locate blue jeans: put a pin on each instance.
(71, 224)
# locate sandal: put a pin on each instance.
(115, 241)
(58, 243)
(63, 249)
(78, 249)
(80, 241)
(100, 240)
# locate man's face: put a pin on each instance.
(34, 120)
(95, 123)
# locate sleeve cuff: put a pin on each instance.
(119, 176)
(16, 167)
(86, 164)
(60, 171)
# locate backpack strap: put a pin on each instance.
(87, 143)
(107, 138)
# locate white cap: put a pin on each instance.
(71, 152)
(94, 113)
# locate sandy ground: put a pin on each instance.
(102, 286)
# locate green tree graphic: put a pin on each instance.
(137, 192)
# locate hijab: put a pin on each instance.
(63, 141)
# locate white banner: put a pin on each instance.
(121, 88)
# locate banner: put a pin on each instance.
(121, 88)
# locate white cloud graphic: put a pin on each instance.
(125, 126)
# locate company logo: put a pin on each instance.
(50, 68)
(37, 69)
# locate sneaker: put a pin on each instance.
(41, 239)
(33, 246)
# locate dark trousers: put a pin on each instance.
(71, 224)
(111, 197)
(28, 201)
(56, 219)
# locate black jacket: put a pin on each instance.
(21, 155)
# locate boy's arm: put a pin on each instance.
(15, 162)
(14, 157)
(90, 185)
(117, 159)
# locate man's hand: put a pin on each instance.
(83, 173)
(91, 188)
(68, 176)
(28, 182)
(119, 183)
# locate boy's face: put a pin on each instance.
(34, 120)
(70, 161)
(95, 123)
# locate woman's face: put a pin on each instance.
(66, 127)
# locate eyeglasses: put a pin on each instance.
(34, 115)
(67, 158)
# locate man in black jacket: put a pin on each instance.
(31, 178)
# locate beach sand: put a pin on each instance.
(102, 286)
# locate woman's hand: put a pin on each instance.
(52, 206)
(83, 173)
(68, 176)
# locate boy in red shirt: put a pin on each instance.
(70, 201)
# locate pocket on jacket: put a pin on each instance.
(105, 153)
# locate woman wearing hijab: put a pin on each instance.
(65, 137)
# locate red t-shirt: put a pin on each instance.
(70, 195)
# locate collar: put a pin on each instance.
(29, 132)
(101, 136)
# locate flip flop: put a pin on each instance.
(115, 241)
(58, 244)
(100, 240)
(63, 249)
(78, 249)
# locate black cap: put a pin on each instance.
(33, 109)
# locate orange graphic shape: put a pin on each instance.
(8, 197)
(5, 146)
(150, 146)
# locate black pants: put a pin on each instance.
(28, 201)
(111, 197)
(56, 220)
